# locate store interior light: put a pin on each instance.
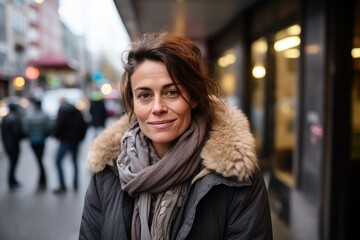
(287, 43)
(312, 49)
(260, 47)
(227, 60)
(259, 71)
(294, 30)
(291, 53)
(355, 52)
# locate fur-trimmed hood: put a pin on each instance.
(230, 149)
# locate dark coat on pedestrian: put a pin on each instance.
(11, 128)
(227, 199)
(70, 125)
(37, 125)
(98, 113)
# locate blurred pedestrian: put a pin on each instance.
(70, 129)
(37, 128)
(12, 133)
(181, 163)
(98, 112)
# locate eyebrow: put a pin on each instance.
(147, 88)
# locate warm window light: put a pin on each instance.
(222, 62)
(227, 60)
(294, 30)
(312, 49)
(286, 43)
(258, 72)
(19, 83)
(355, 52)
(260, 47)
(39, 1)
(230, 58)
(228, 84)
(291, 53)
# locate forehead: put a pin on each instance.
(150, 67)
(150, 72)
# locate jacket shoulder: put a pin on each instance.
(105, 148)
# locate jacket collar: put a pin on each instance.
(230, 149)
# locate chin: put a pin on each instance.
(162, 138)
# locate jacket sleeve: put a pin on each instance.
(90, 227)
(249, 215)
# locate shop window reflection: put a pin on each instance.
(286, 48)
(259, 50)
(355, 53)
(227, 69)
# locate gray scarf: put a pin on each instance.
(141, 179)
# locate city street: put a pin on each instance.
(28, 214)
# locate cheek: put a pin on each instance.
(186, 117)
(140, 112)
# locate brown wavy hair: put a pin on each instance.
(184, 63)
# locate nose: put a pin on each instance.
(159, 106)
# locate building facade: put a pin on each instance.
(296, 75)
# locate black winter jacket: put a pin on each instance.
(228, 199)
(70, 125)
(12, 131)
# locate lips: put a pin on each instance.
(161, 124)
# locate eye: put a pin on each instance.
(143, 95)
(171, 92)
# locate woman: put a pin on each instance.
(185, 167)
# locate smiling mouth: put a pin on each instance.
(161, 124)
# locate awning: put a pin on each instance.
(54, 61)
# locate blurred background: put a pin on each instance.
(293, 66)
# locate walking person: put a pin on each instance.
(70, 129)
(37, 127)
(181, 163)
(12, 133)
(98, 112)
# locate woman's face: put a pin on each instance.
(160, 108)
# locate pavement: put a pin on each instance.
(26, 214)
(29, 214)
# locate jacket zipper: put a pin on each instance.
(180, 214)
(176, 226)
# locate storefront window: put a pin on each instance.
(355, 153)
(227, 71)
(259, 50)
(286, 48)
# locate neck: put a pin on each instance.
(161, 149)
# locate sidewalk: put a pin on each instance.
(28, 214)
